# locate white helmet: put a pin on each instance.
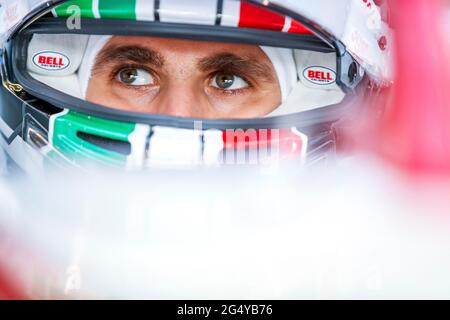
(328, 57)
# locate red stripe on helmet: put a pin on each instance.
(253, 16)
(297, 27)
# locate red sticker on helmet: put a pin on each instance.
(51, 60)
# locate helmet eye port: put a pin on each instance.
(352, 72)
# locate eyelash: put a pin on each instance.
(231, 92)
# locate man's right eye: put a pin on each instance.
(135, 77)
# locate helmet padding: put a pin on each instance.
(46, 49)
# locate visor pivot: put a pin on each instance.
(14, 86)
(352, 72)
(382, 43)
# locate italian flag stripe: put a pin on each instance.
(117, 9)
(64, 10)
(297, 27)
(64, 134)
(235, 13)
(145, 10)
(231, 13)
(108, 9)
(256, 17)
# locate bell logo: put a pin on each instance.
(320, 75)
(51, 61)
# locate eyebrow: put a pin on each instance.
(127, 54)
(225, 62)
(229, 62)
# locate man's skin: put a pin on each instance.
(184, 78)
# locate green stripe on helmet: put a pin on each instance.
(66, 137)
(107, 9)
(117, 9)
(66, 9)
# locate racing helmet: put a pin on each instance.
(321, 60)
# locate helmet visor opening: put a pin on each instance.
(174, 67)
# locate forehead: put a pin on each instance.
(200, 49)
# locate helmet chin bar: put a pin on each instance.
(90, 141)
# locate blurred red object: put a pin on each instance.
(415, 131)
(9, 290)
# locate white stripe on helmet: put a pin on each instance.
(231, 13)
(198, 12)
(145, 10)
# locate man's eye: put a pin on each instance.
(225, 81)
(135, 77)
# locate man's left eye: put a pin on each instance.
(230, 82)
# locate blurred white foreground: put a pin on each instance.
(348, 233)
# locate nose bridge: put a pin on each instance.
(181, 98)
(177, 100)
